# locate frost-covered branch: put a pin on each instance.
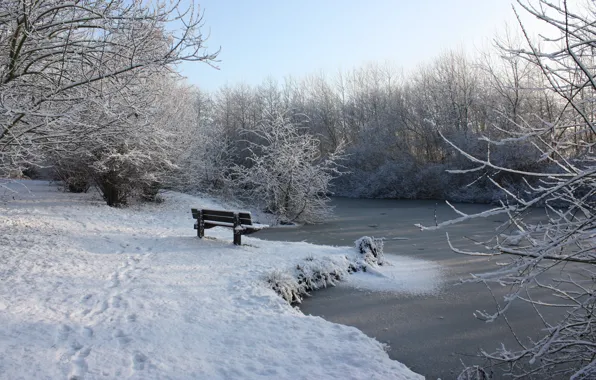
(555, 250)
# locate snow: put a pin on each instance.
(93, 292)
(401, 274)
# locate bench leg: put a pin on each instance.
(201, 226)
(237, 236)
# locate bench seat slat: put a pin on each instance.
(224, 212)
(222, 219)
(246, 229)
(217, 212)
(209, 224)
(216, 224)
(217, 218)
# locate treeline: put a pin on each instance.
(392, 127)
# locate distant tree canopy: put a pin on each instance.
(390, 125)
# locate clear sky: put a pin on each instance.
(276, 38)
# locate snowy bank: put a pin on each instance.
(92, 292)
(312, 273)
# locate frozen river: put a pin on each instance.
(428, 323)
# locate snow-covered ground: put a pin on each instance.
(93, 292)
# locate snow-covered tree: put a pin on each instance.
(206, 149)
(286, 174)
(130, 147)
(71, 73)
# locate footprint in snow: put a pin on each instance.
(87, 332)
(114, 280)
(121, 337)
(79, 364)
(115, 301)
(62, 333)
(139, 360)
(103, 306)
(75, 345)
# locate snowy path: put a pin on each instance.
(91, 292)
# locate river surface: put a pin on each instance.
(435, 334)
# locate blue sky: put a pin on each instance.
(276, 38)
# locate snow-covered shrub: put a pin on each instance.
(371, 250)
(206, 160)
(72, 171)
(310, 274)
(286, 285)
(149, 191)
(431, 181)
(477, 186)
(286, 174)
(316, 273)
(126, 170)
(388, 178)
(202, 150)
(77, 182)
(133, 154)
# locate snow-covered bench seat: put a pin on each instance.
(239, 221)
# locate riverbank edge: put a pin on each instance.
(294, 284)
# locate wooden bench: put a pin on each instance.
(240, 221)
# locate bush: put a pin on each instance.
(128, 170)
(77, 184)
(149, 192)
(74, 174)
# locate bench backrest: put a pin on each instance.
(222, 216)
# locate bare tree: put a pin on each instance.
(563, 242)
